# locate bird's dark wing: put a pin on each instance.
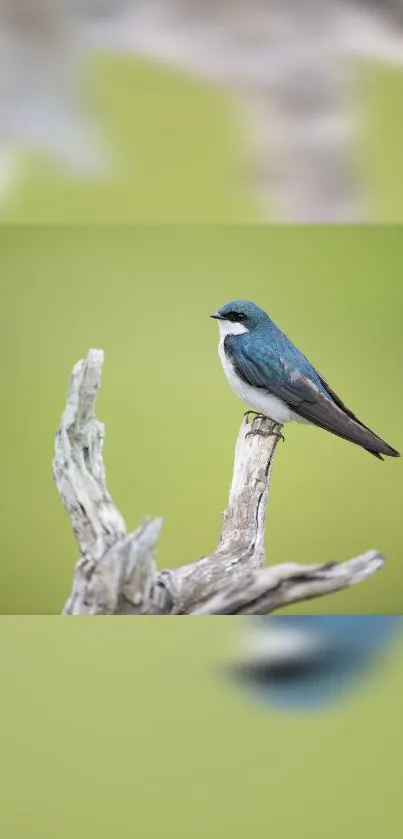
(342, 406)
(279, 378)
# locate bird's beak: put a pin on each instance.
(217, 316)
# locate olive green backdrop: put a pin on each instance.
(144, 296)
(126, 728)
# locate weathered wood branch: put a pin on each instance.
(272, 588)
(117, 572)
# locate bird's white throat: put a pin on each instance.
(227, 327)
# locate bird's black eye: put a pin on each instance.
(235, 317)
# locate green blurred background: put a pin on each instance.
(125, 728)
(143, 294)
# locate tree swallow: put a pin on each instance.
(272, 376)
(304, 662)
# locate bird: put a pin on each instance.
(277, 381)
(303, 663)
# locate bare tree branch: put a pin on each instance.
(241, 545)
(270, 589)
(112, 564)
(117, 572)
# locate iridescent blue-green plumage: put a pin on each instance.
(266, 360)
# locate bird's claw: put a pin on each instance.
(255, 414)
(261, 433)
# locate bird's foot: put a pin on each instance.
(260, 433)
(255, 414)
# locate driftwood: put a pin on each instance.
(117, 571)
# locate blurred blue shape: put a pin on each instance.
(307, 662)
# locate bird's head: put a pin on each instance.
(239, 316)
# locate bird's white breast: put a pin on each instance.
(257, 399)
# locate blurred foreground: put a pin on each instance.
(302, 663)
(110, 728)
(284, 87)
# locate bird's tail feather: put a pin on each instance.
(369, 441)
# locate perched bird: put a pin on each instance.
(277, 381)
